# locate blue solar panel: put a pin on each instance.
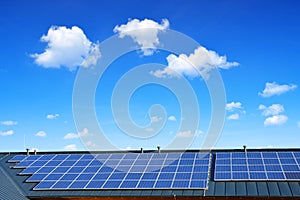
(256, 166)
(166, 176)
(36, 178)
(146, 184)
(129, 184)
(198, 184)
(17, 158)
(112, 184)
(180, 184)
(134, 176)
(53, 177)
(163, 184)
(29, 170)
(95, 184)
(78, 185)
(44, 185)
(58, 185)
(111, 171)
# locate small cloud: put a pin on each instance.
(185, 134)
(299, 124)
(276, 120)
(9, 123)
(143, 32)
(233, 106)
(274, 109)
(149, 129)
(272, 89)
(90, 144)
(156, 119)
(235, 116)
(199, 133)
(70, 147)
(128, 148)
(198, 63)
(52, 116)
(6, 133)
(172, 118)
(83, 133)
(67, 47)
(41, 134)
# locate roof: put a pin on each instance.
(8, 187)
(255, 189)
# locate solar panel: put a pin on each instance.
(117, 171)
(257, 166)
(17, 158)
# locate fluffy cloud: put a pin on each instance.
(52, 116)
(156, 119)
(198, 63)
(275, 120)
(172, 118)
(143, 32)
(272, 89)
(70, 147)
(185, 134)
(83, 133)
(6, 133)
(274, 109)
(235, 116)
(41, 134)
(68, 47)
(233, 105)
(9, 123)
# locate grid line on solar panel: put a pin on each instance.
(258, 166)
(81, 171)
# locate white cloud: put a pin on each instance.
(156, 119)
(41, 134)
(185, 134)
(274, 109)
(172, 118)
(9, 123)
(233, 105)
(83, 133)
(235, 116)
(6, 133)
(70, 147)
(275, 120)
(143, 32)
(200, 62)
(52, 116)
(272, 89)
(68, 47)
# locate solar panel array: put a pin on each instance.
(189, 170)
(257, 166)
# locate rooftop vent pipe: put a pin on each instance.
(142, 150)
(245, 150)
(158, 149)
(34, 151)
(27, 150)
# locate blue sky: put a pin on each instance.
(45, 45)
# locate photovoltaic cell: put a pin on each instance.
(257, 166)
